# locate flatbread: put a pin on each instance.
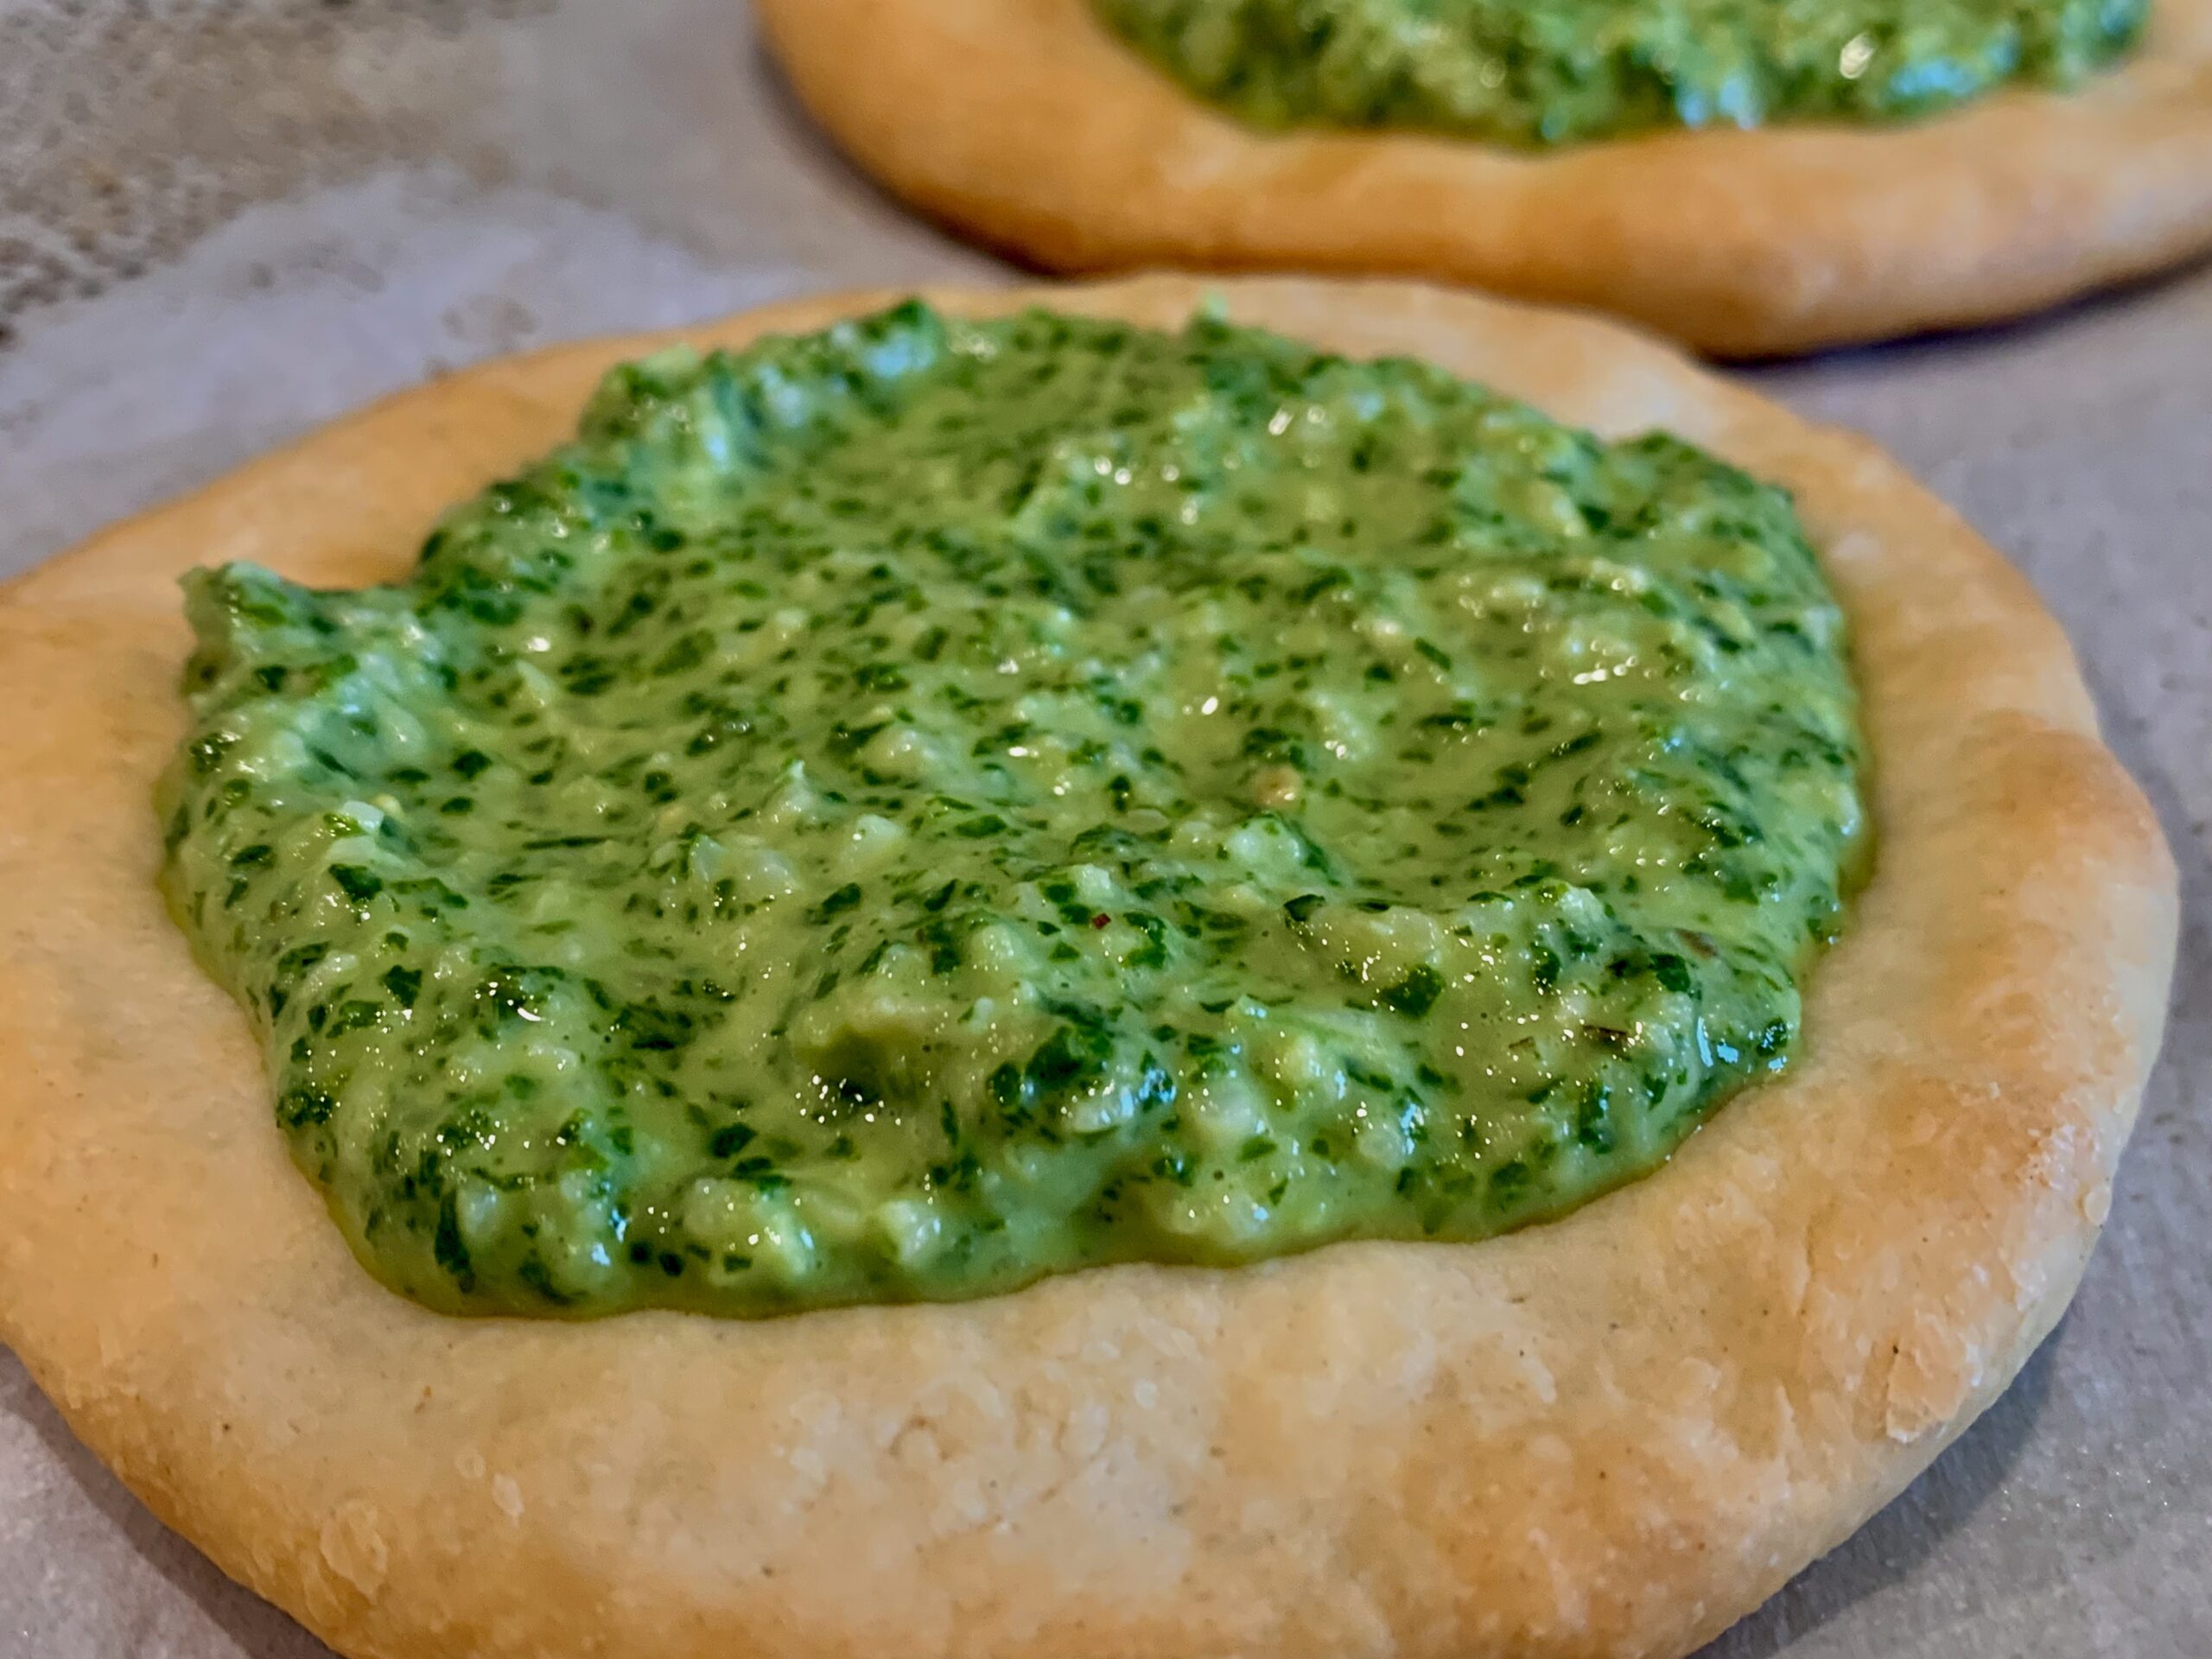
(1027, 125)
(1611, 1434)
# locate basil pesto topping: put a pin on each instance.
(1558, 71)
(895, 812)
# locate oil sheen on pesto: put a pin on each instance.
(892, 813)
(1542, 72)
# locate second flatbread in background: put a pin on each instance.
(1029, 125)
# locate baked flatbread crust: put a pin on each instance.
(1028, 125)
(1612, 1434)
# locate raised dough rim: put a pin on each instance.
(1025, 124)
(1613, 1434)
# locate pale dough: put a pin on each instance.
(1609, 1435)
(1027, 125)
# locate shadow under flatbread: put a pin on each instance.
(1889, 1548)
(1909, 352)
(259, 1629)
(782, 102)
(805, 134)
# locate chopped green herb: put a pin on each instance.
(1097, 793)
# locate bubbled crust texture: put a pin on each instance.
(1609, 1435)
(1027, 125)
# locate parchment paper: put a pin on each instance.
(221, 223)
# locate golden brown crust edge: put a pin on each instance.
(1611, 1435)
(1025, 124)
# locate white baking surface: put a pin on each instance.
(222, 223)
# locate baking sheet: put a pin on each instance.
(222, 223)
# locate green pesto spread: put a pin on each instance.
(892, 813)
(1545, 72)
